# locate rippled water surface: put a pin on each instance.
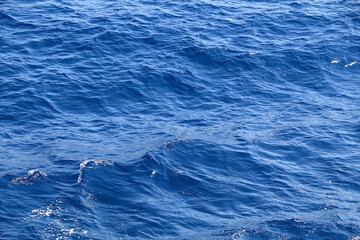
(194, 119)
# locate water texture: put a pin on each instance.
(193, 119)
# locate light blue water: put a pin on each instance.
(179, 119)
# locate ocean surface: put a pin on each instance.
(191, 119)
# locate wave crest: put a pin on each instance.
(31, 178)
(91, 164)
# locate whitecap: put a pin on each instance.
(91, 164)
(32, 177)
(351, 64)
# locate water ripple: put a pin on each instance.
(203, 119)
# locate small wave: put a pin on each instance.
(91, 164)
(8, 20)
(170, 145)
(32, 177)
(277, 229)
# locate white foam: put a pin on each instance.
(351, 64)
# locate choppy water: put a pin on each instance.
(179, 119)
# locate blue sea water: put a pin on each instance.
(192, 119)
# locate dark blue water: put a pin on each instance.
(179, 119)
